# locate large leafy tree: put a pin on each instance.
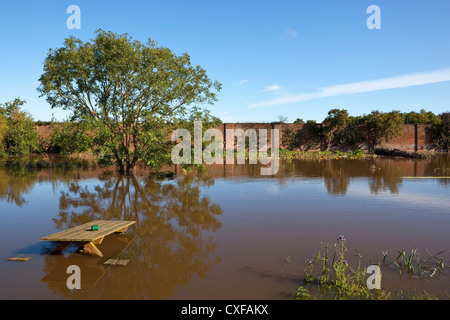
(441, 132)
(382, 126)
(131, 93)
(335, 122)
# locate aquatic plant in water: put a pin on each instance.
(336, 279)
(416, 265)
(335, 275)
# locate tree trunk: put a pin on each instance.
(120, 166)
(129, 169)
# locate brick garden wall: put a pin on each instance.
(413, 138)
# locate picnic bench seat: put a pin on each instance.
(86, 238)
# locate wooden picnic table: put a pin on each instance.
(86, 238)
(93, 269)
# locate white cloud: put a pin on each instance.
(291, 33)
(273, 88)
(242, 82)
(408, 80)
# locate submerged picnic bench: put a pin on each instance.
(85, 237)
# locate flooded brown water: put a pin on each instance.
(228, 233)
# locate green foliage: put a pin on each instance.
(415, 264)
(43, 123)
(352, 135)
(335, 274)
(286, 154)
(17, 129)
(312, 139)
(381, 126)
(131, 93)
(187, 122)
(3, 133)
(423, 117)
(299, 121)
(329, 275)
(441, 132)
(302, 293)
(308, 137)
(340, 129)
(290, 139)
(334, 123)
(358, 153)
(71, 137)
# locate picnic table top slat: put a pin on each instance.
(83, 232)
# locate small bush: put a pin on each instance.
(17, 129)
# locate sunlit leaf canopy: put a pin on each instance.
(116, 77)
(120, 86)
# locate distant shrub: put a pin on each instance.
(70, 137)
(18, 134)
(441, 132)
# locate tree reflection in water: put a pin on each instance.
(172, 241)
(381, 174)
(171, 244)
(13, 187)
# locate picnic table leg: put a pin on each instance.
(91, 249)
(62, 245)
(122, 230)
(98, 241)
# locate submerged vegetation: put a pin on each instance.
(286, 154)
(17, 165)
(330, 276)
(336, 278)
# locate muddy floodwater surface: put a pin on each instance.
(228, 233)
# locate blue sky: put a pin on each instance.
(296, 59)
